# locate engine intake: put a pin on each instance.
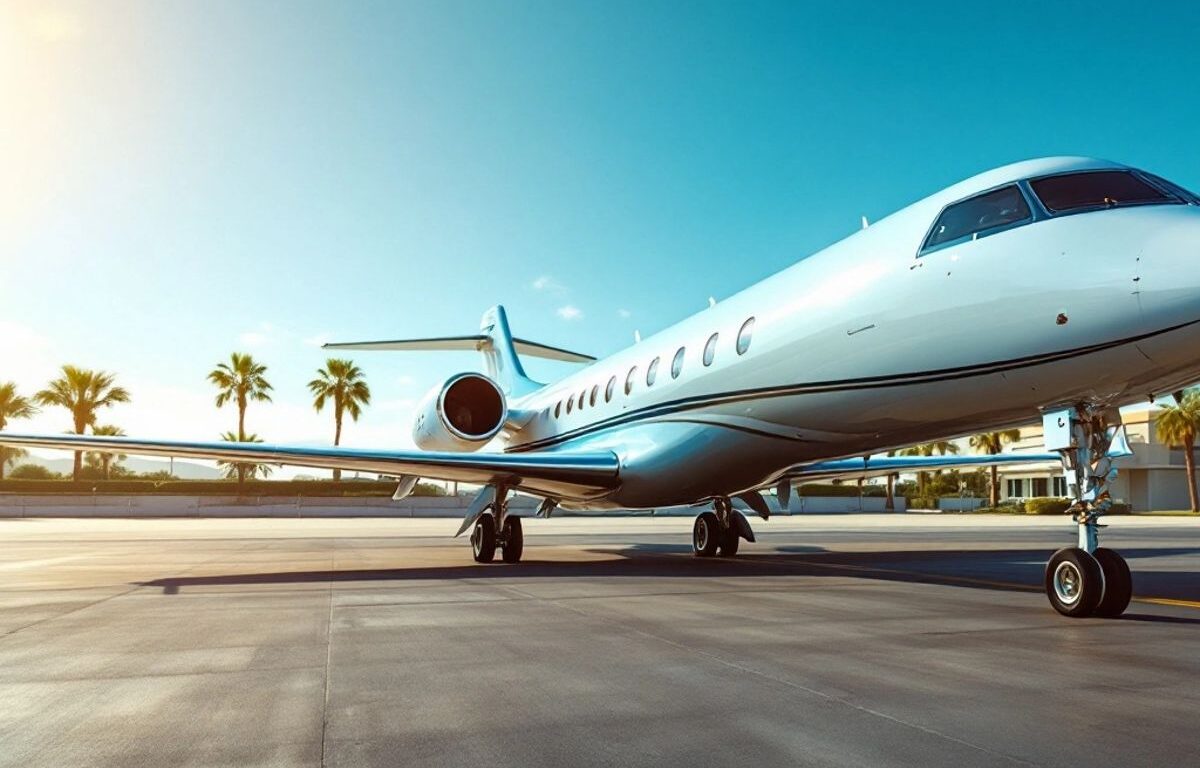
(462, 414)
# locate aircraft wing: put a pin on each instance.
(876, 466)
(595, 470)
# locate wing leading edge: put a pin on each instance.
(585, 472)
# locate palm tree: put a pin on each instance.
(993, 443)
(82, 392)
(241, 380)
(340, 381)
(105, 460)
(939, 447)
(12, 406)
(242, 470)
(1177, 425)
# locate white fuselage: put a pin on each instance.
(869, 345)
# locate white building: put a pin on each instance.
(1153, 478)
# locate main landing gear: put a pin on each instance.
(494, 528)
(718, 532)
(1087, 579)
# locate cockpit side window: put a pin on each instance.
(1092, 190)
(1169, 186)
(979, 216)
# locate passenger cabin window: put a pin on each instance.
(608, 391)
(629, 379)
(979, 216)
(677, 363)
(1074, 192)
(570, 403)
(652, 372)
(558, 409)
(582, 397)
(743, 339)
(595, 394)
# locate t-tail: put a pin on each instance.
(501, 351)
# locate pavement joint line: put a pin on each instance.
(328, 650)
(766, 676)
(94, 603)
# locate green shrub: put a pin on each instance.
(839, 490)
(922, 502)
(1046, 506)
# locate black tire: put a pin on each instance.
(1074, 582)
(514, 540)
(1118, 584)
(483, 539)
(706, 534)
(729, 541)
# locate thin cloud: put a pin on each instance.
(569, 312)
(624, 314)
(57, 26)
(548, 284)
(260, 337)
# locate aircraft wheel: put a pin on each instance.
(483, 539)
(706, 534)
(1118, 584)
(514, 540)
(1074, 582)
(729, 541)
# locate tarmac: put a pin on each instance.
(840, 640)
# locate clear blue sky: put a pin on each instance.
(185, 179)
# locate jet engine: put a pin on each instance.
(462, 414)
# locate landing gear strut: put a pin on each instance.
(719, 531)
(1087, 579)
(494, 527)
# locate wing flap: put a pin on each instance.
(594, 470)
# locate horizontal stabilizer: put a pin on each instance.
(466, 343)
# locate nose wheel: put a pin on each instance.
(1087, 580)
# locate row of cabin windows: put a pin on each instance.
(710, 351)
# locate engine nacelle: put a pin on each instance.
(461, 415)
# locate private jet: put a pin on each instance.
(1057, 288)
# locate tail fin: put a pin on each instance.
(500, 354)
(497, 344)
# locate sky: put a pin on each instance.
(181, 180)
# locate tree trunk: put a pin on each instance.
(995, 494)
(890, 504)
(241, 468)
(78, 466)
(337, 440)
(1189, 460)
(105, 462)
(3, 461)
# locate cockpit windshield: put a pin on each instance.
(1097, 189)
(979, 216)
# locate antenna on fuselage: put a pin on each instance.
(865, 222)
(637, 337)
(712, 302)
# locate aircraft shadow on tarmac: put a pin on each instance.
(993, 569)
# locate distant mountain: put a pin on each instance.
(184, 470)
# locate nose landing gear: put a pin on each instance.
(1087, 579)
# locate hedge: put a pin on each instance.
(848, 489)
(215, 487)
